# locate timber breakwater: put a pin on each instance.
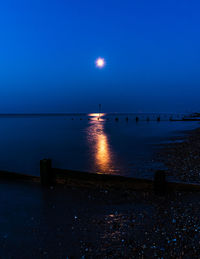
(55, 177)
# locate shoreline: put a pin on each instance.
(92, 218)
(62, 178)
(182, 158)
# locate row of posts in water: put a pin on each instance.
(137, 119)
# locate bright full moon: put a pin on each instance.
(100, 62)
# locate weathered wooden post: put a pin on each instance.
(160, 182)
(46, 173)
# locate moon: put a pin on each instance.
(100, 62)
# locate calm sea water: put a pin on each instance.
(85, 143)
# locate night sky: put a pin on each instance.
(48, 51)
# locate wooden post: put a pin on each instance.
(160, 182)
(46, 173)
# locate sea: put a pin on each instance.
(118, 144)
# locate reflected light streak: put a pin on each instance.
(96, 115)
(103, 153)
(99, 144)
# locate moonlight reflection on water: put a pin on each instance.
(99, 144)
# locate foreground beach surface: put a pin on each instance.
(86, 223)
(74, 221)
(182, 158)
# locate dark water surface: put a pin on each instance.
(84, 143)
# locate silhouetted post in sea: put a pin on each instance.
(160, 182)
(46, 172)
(137, 119)
(158, 119)
(99, 110)
(116, 119)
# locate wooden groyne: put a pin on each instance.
(65, 176)
(53, 176)
(13, 176)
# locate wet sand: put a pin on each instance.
(76, 221)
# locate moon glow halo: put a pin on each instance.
(100, 62)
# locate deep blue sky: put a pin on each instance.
(48, 50)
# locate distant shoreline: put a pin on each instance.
(95, 113)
